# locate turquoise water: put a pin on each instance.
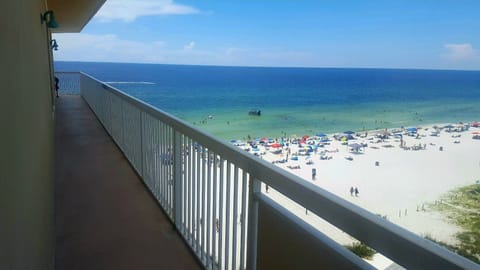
(295, 101)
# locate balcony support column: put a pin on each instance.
(252, 236)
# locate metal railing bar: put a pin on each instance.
(227, 215)
(208, 219)
(214, 214)
(235, 217)
(220, 224)
(243, 220)
(204, 203)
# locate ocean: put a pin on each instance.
(295, 101)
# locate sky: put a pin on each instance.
(426, 34)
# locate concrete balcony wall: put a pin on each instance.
(26, 144)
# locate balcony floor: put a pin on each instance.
(105, 217)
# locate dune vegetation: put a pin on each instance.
(462, 207)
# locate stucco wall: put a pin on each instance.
(26, 139)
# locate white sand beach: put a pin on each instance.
(393, 182)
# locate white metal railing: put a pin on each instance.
(69, 82)
(211, 190)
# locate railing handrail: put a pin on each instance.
(389, 239)
(69, 72)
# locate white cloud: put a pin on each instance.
(108, 48)
(189, 46)
(129, 10)
(459, 52)
(111, 48)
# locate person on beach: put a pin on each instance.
(351, 191)
(217, 225)
(356, 192)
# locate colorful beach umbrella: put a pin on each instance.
(275, 145)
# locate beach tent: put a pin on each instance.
(355, 146)
(449, 127)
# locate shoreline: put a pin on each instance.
(277, 122)
(393, 182)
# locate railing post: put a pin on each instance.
(177, 179)
(142, 171)
(252, 235)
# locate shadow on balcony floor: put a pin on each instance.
(105, 217)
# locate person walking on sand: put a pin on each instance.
(356, 192)
(351, 191)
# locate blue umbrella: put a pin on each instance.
(412, 129)
(349, 132)
(321, 135)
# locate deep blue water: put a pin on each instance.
(295, 100)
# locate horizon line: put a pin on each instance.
(259, 66)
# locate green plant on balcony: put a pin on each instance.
(361, 250)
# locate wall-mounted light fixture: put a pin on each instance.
(54, 44)
(49, 18)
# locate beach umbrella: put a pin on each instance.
(412, 130)
(475, 124)
(321, 135)
(449, 126)
(349, 132)
(275, 145)
(476, 132)
(324, 139)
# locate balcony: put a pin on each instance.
(105, 217)
(110, 186)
